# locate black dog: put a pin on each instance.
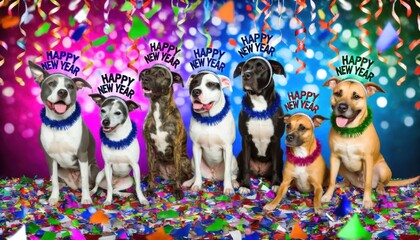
(259, 123)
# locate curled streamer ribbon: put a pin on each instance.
(106, 14)
(56, 21)
(280, 11)
(312, 28)
(21, 42)
(377, 14)
(266, 16)
(145, 5)
(365, 32)
(330, 45)
(255, 19)
(400, 40)
(300, 42)
(87, 39)
(4, 45)
(134, 42)
(207, 11)
(181, 32)
(42, 14)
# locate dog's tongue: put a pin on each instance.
(60, 107)
(207, 106)
(197, 106)
(341, 122)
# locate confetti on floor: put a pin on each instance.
(206, 215)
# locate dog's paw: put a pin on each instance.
(143, 201)
(318, 210)
(122, 194)
(148, 193)
(381, 190)
(244, 190)
(107, 202)
(275, 188)
(235, 184)
(178, 194)
(86, 200)
(93, 191)
(326, 198)
(270, 207)
(188, 183)
(53, 200)
(367, 203)
(196, 188)
(228, 191)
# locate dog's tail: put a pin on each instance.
(403, 182)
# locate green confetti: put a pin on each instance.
(167, 214)
(152, 11)
(172, 199)
(96, 230)
(374, 197)
(48, 236)
(43, 29)
(240, 227)
(217, 225)
(53, 221)
(369, 221)
(168, 229)
(204, 206)
(110, 62)
(274, 226)
(385, 211)
(287, 237)
(222, 198)
(33, 228)
(71, 21)
(391, 223)
(127, 7)
(75, 223)
(416, 215)
(100, 41)
(65, 234)
(138, 29)
(110, 29)
(26, 180)
(413, 230)
(69, 211)
(354, 229)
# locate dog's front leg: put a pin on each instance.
(197, 155)
(55, 186)
(152, 167)
(334, 168)
(178, 181)
(227, 182)
(368, 171)
(245, 182)
(277, 163)
(287, 179)
(84, 174)
(136, 173)
(108, 175)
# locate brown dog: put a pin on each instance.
(305, 166)
(163, 130)
(354, 143)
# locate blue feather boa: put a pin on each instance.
(213, 120)
(123, 143)
(61, 124)
(265, 114)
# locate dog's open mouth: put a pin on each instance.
(342, 121)
(147, 90)
(201, 107)
(109, 129)
(59, 107)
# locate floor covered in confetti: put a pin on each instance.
(206, 215)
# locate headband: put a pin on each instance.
(166, 68)
(269, 66)
(303, 114)
(119, 99)
(358, 82)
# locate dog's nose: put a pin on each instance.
(342, 107)
(247, 76)
(290, 137)
(62, 93)
(145, 79)
(106, 122)
(196, 92)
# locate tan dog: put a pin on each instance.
(305, 166)
(354, 143)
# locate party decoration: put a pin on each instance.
(365, 32)
(227, 12)
(181, 31)
(76, 235)
(78, 33)
(159, 235)
(203, 30)
(43, 29)
(182, 232)
(167, 214)
(49, 236)
(280, 8)
(99, 217)
(100, 41)
(379, 31)
(267, 14)
(127, 6)
(156, 8)
(354, 229)
(312, 28)
(56, 21)
(300, 42)
(297, 232)
(400, 42)
(387, 38)
(9, 21)
(217, 225)
(344, 207)
(333, 10)
(20, 42)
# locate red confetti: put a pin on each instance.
(232, 42)
(248, 8)
(418, 105)
(417, 70)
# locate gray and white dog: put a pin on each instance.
(120, 147)
(68, 145)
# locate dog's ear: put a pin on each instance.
(285, 118)
(277, 68)
(177, 78)
(190, 79)
(238, 70)
(38, 72)
(98, 98)
(318, 120)
(81, 83)
(226, 83)
(332, 82)
(372, 88)
(132, 105)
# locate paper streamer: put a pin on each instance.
(280, 12)
(145, 5)
(300, 42)
(56, 21)
(257, 17)
(266, 16)
(86, 8)
(203, 30)
(181, 31)
(377, 14)
(4, 45)
(312, 28)
(365, 32)
(399, 45)
(134, 42)
(330, 45)
(21, 42)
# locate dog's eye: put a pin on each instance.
(338, 94)
(210, 84)
(288, 126)
(302, 128)
(356, 97)
(261, 68)
(117, 113)
(70, 87)
(102, 110)
(52, 84)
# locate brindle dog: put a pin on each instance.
(164, 130)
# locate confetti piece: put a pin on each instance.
(71, 21)
(388, 37)
(100, 41)
(217, 225)
(344, 207)
(49, 236)
(78, 33)
(227, 12)
(127, 6)
(167, 214)
(53, 221)
(159, 235)
(297, 232)
(99, 217)
(153, 11)
(77, 235)
(181, 232)
(81, 16)
(138, 29)
(354, 229)
(43, 29)
(9, 21)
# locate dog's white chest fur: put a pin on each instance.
(351, 155)
(300, 174)
(121, 159)
(160, 136)
(62, 145)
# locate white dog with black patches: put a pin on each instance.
(120, 148)
(212, 131)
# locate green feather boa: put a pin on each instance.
(352, 132)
